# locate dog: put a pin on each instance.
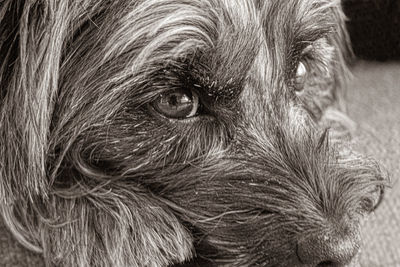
(167, 133)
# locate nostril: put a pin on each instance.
(328, 249)
(371, 202)
(381, 194)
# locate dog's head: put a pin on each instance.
(150, 132)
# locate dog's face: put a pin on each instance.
(153, 132)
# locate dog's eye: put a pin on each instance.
(178, 104)
(301, 77)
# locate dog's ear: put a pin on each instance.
(30, 37)
(31, 33)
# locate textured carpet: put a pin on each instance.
(374, 103)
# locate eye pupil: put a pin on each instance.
(171, 100)
(177, 104)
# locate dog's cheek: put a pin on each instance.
(299, 120)
(118, 226)
(139, 142)
(126, 139)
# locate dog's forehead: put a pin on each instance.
(219, 38)
(277, 26)
(305, 20)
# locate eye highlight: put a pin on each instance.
(177, 104)
(301, 77)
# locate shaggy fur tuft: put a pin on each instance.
(92, 175)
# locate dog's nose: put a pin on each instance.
(329, 248)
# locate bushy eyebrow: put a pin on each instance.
(289, 27)
(315, 19)
(297, 21)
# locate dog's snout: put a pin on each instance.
(328, 248)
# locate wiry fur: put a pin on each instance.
(90, 176)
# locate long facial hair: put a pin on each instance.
(89, 178)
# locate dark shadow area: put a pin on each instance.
(374, 27)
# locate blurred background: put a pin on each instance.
(374, 27)
(374, 104)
